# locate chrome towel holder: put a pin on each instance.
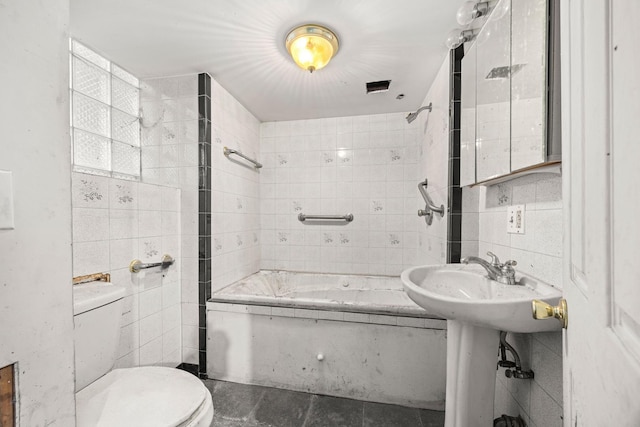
(136, 265)
(348, 217)
(228, 151)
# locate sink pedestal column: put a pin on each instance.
(472, 355)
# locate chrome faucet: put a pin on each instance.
(502, 273)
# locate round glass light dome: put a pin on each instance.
(454, 39)
(311, 46)
(466, 13)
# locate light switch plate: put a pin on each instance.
(515, 219)
(6, 201)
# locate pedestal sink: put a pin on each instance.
(476, 309)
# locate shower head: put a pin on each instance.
(412, 116)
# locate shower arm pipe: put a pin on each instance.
(422, 187)
(426, 107)
(412, 116)
(228, 151)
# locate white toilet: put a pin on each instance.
(146, 396)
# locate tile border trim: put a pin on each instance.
(454, 223)
(204, 214)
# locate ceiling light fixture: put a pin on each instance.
(471, 10)
(311, 46)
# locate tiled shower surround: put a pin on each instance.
(380, 161)
(365, 165)
(187, 120)
(235, 190)
(434, 157)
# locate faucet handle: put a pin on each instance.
(508, 272)
(507, 268)
(495, 261)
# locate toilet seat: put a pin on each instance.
(146, 396)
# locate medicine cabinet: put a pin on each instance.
(510, 95)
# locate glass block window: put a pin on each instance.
(105, 119)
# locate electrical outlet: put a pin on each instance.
(6, 201)
(515, 219)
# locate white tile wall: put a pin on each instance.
(114, 222)
(539, 253)
(539, 250)
(235, 186)
(538, 401)
(170, 157)
(470, 221)
(433, 165)
(364, 165)
(169, 130)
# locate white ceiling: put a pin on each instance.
(241, 44)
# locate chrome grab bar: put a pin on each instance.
(430, 207)
(136, 265)
(348, 217)
(228, 151)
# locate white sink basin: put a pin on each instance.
(476, 309)
(465, 293)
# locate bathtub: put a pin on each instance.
(350, 336)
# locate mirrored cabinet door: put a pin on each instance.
(528, 83)
(493, 95)
(468, 118)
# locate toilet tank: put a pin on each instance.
(97, 310)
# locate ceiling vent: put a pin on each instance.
(376, 87)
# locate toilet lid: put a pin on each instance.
(147, 396)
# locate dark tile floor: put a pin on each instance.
(241, 405)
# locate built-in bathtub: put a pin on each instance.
(342, 335)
